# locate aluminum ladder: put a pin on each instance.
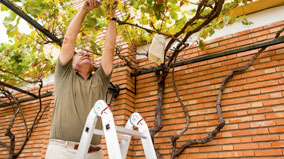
(112, 133)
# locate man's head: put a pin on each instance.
(83, 60)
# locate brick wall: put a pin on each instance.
(252, 104)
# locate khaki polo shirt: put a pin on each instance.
(74, 98)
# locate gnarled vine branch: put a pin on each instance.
(29, 131)
(176, 152)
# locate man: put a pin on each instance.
(77, 88)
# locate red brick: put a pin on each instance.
(280, 122)
(248, 153)
(241, 133)
(246, 146)
(276, 95)
(242, 113)
(272, 89)
(230, 154)
(252, 80)
(262, 124)
(260, 110)
(269, 77)
(276, 130)
(273, 102)
(212, 155)
(260, 131)
(241, 119)
(265, 138)
(264, 145)
(227, 147)
(268, 152)
(278, 144)
(197, 156)
(210, 149)
(253, 74)
(228, 141)
(258, 117)
(275, 115)
(244, 125)
(272, 83)
(255, 85)
(260, 33)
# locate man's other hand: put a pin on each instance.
(90, 5)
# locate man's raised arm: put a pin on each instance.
(68, 46)
(109, 45)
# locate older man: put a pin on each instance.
(77, 88)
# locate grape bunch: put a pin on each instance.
(109, 6)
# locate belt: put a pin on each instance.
(91, 148)
(73, 145)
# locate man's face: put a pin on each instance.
(83, 59)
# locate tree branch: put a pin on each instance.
(28, 81)
(119, 22)
(213, 14)
(176, 137)
(196, 16)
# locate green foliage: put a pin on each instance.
(25, 57)
(245, 21)
(24, 61)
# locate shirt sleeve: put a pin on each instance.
(103, 78)
(63, 71)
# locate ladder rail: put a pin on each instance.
(86, 138)
(149, 150)
(124, 144)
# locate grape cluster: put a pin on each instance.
(109, 6)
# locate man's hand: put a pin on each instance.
(73, 29)
(90, 5)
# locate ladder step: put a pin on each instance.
(130, 132)
(101, 132)
(121, 132)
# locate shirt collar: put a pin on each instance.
(89, 76)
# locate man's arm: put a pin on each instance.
(68, 46)
(109, 45)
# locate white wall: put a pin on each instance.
(259, 19)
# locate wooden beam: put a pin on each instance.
(256, 6)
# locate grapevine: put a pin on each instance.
(109, 6)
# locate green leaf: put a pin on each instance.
(173, 1)
(204, 33)
(226, 20)
(99, 12)
(202, 45)
(132, 2)
(245, 21)
(233, 18)
(174, 15)
(3, 7)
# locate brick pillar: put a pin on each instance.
(123, 105)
